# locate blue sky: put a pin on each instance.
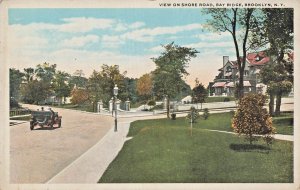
(87, 38)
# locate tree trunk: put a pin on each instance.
(271, 104)
(278, 104)
(168, 107)
(241, 85)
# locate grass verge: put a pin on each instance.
(165, 151)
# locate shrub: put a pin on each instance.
(173, 116)
(251, 119)
(193, 115)
(79, 96)
(205, 113)
(226, 99)
(13, 103)
(151, 103)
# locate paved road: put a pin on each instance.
(38, 155)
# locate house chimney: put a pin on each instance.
(225, 60)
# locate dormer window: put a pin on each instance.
(228, 69)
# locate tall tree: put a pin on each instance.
(39, 84)
(28, 74)
(101, 84)
(170, 69)
(144, 86)
(35, 91)
(199, 93)
(130, 89)
(60, 85)
(279, 33)
(45, 71)
(239, 23)
(78, 79)
(15, 80)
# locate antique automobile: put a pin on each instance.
(45, 118)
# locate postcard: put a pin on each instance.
(149, 94)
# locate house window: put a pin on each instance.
(246, 73)
(228, 69)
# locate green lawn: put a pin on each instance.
(218, 99)
(164, 151)
(84, 107)
(284, 124)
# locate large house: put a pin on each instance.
(225, 82)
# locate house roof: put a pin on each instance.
(230, 84)
(259, 58)
(219, 84)
(247, 83)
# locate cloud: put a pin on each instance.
(69, 25)
(83, 24)
(157, 49)
(148, 34)
(211, 45)
(136, 25)
(80, 41)
(213, 36)
(109, 41)
(70, 60)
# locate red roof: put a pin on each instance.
(259, 58)
(219, 84)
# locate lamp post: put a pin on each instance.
(115, 91)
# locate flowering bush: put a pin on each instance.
(251, 119)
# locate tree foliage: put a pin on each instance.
(78, 79)
(278, 31)
(60, 84)
(45, 72)
(170, 69)
(144, 85)
(35, 92)
(199, 93)
(15, 80)
(79, 96)
(251, 119)
(193, 115)
(101, 84)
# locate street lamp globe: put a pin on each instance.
(116, 90)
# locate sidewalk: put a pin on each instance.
(276, 136)
(90, 166)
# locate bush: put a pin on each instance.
(252, 119)
(205, 113)
(226, 99)
(151, 103)
(173, 116)
(193, 115)
(13, 103)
